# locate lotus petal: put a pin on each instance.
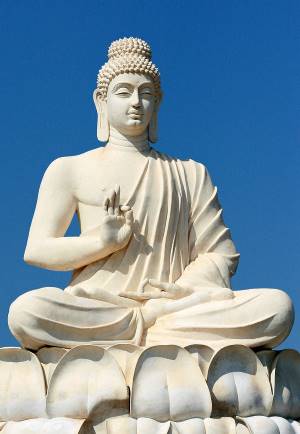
(261, 424)
(190, 426)
(87, 382)
(49, 358)
(285, 379)
(113, 425)
(242, 428)
(126, 355)
(267, 358)
(296, 426)
(203, 354)
(22, 385)
(224, 425)
(239, 383)
(284, 425)
(169, 385)
(150, 426)
(45, 426)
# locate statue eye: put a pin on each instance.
(146, 91)
(123, 92)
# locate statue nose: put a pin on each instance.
(135, 101)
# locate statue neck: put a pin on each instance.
(135, 143)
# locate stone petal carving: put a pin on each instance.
(238, 383)
(150, 426)
(45, 426)
(267, 358)
(49, 358)
(87, 382)
(285, 427)
(224, 425)
(270, 425)
(203, 354)
(126, 355)
(285, 380)
(22, 385)
(113, 425)
(242, 428)
(296, 426)
(261, 425)
(191, 426)
(169, 385)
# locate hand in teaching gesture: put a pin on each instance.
(117, 224)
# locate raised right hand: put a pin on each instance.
(116, 227)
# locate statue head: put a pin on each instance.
(128, 91)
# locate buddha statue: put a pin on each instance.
(153, 261)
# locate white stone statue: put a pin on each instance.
(154, 259)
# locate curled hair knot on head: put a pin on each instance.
(128, 55)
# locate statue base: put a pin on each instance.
(163, 389)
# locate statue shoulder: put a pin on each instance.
(195, 171)
(65, 169)
(190, 166)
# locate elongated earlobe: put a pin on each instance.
(152, 129)
(102, 123)
(153, 125)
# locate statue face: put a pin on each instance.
(130, 103)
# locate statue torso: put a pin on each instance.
(155, 186)
(98, 174)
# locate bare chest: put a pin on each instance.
(94, 185)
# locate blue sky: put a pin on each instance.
(231, 80)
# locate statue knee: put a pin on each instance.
(19, 318)
(283, 305)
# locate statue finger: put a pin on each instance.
(129, 217)
(124, 208)
(163, 286)
(117, 200)
(141, 288)
(150, 295)
(105, 205)
(111, 203)
(79, 292)
(134, 296)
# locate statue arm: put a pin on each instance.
(56, 204)
(213, 257)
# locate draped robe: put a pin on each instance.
(179, 236)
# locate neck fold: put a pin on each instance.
(134, 143)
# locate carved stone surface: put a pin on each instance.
(149, 337)
(285, 379)
(22, 385)
(154, 258)
(45, 426)
(89, 392)
(239, 384)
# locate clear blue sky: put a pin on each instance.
(231, 79)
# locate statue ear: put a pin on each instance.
(102, 123)
(153, 125)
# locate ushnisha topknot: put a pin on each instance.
(131, 45)
(124, 56)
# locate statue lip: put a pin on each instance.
(135, 112)
(135, 115)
